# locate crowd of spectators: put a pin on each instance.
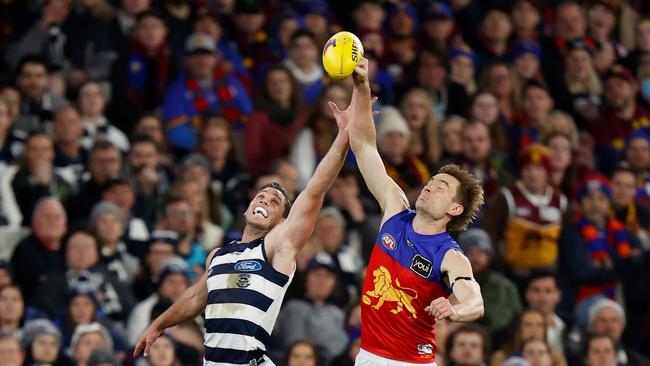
(133, 134)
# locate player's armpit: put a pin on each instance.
(466, 293)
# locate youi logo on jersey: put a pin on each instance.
(388, 241)
(248, 266)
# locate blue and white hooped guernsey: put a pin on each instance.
(244, 297)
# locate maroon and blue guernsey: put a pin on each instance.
(403, 278)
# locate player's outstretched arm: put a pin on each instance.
(289, 237)
(465, 304)
(187, 307)
(363, 140)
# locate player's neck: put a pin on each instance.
(252, 233)
(428, 226)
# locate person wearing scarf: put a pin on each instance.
(207, 89)
(594, 247)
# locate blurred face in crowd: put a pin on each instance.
(319, 284)
(110, 228)
(301, 354)
(279, 87)
(150, 126)
(12, 97)
(439, 29)
(461, 69)
(604, 57)
(304, 52)
(201, 65)
(173, 286)
(150, 32)
(623, 188)
(162, 352)
(620, 94)
(288, 174)
(199, 175)
(416, 108)
(534, 178)
(50, 223)
(104, 164)
(285, 30)
(537, 353)
(431, 72)
(401, 24)
(601, 22)
(537, 104)
(180, 218)
(527, 66)
(192, 193)
(637, 154)
(467, 349)
(121, 195)
(343, 187)
(601, 351)
(570, 22)
(451, 135)
(607, 321)
(485, 108)
(159, 252)
(82, 309)
(12, 306)
(373, 42)
(525, 17)
(579, 65)
(560, 148)
(87, 344)
(33, 81)
(330, 233)
(643, 35)
(533, 325)
(478, 258)
(595, 206)
(92, 100)
(337, 94)
(208, 25)
(67, 127)
(316, 23)
(369, 16)
(215, 143)
(249, 24)
(5, 117)
(5, 277)
(477, 143)
(144, 155)
(134, 7)
(499, 82)
(496, 26)
(81, 253)
(11, 353)
(393, 146)
(543, 294)
(39, 149)
(45, 349)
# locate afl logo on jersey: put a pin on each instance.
(388, 241)
(248, 266)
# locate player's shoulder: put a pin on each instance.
(398, 220)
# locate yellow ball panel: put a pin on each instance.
(341, 54)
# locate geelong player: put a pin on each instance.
(417, 273)
(245, 281)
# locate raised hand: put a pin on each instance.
(146, 340)
(343, 116)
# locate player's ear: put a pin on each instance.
(455, 209)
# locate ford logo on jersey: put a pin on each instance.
(248, 266)
(388, 241)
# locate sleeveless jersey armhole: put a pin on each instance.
(395, 218)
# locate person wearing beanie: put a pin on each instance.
(86, 339)
(500, 297)
(172, 280)
(393, 135)
(42, 343)
(597, 244)
(462, 68)
(107, 222)
(524, 219)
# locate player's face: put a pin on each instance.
(437, 197)
(266, 209)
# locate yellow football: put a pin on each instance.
(341, 54)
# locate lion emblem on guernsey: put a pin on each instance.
(385, 291)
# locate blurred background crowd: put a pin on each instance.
(133, 134)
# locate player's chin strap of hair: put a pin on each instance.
(460, 278)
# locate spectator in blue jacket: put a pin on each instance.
(204, 90)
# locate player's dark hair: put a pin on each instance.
(32, 59)
(535, 84)
(469, 328)
(540, 274)
(469, 195)
(285, 194)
